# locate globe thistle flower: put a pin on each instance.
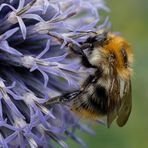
(35, 67)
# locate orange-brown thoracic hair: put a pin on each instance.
(113, 50)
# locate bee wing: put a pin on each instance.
(114, 100)
(126, 105)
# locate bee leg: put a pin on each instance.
(86, 45)
(76, 49)
(87, 82)
(54, 100)
(64, 98)
(67, 97)
(91, 79)
(79, 50)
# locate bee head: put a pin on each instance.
(90, 58)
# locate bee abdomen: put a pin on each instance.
(100, 99)
(95, 103)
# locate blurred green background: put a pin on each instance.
(130, 17)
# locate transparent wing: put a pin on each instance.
(119, 100)
(114, 101)
(126, 105)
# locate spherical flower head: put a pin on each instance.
(36, 67)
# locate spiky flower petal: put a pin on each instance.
(35, 67)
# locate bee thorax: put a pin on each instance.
(95, 57)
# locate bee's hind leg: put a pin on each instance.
(63, 99)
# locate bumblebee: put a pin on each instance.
(107, 92)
